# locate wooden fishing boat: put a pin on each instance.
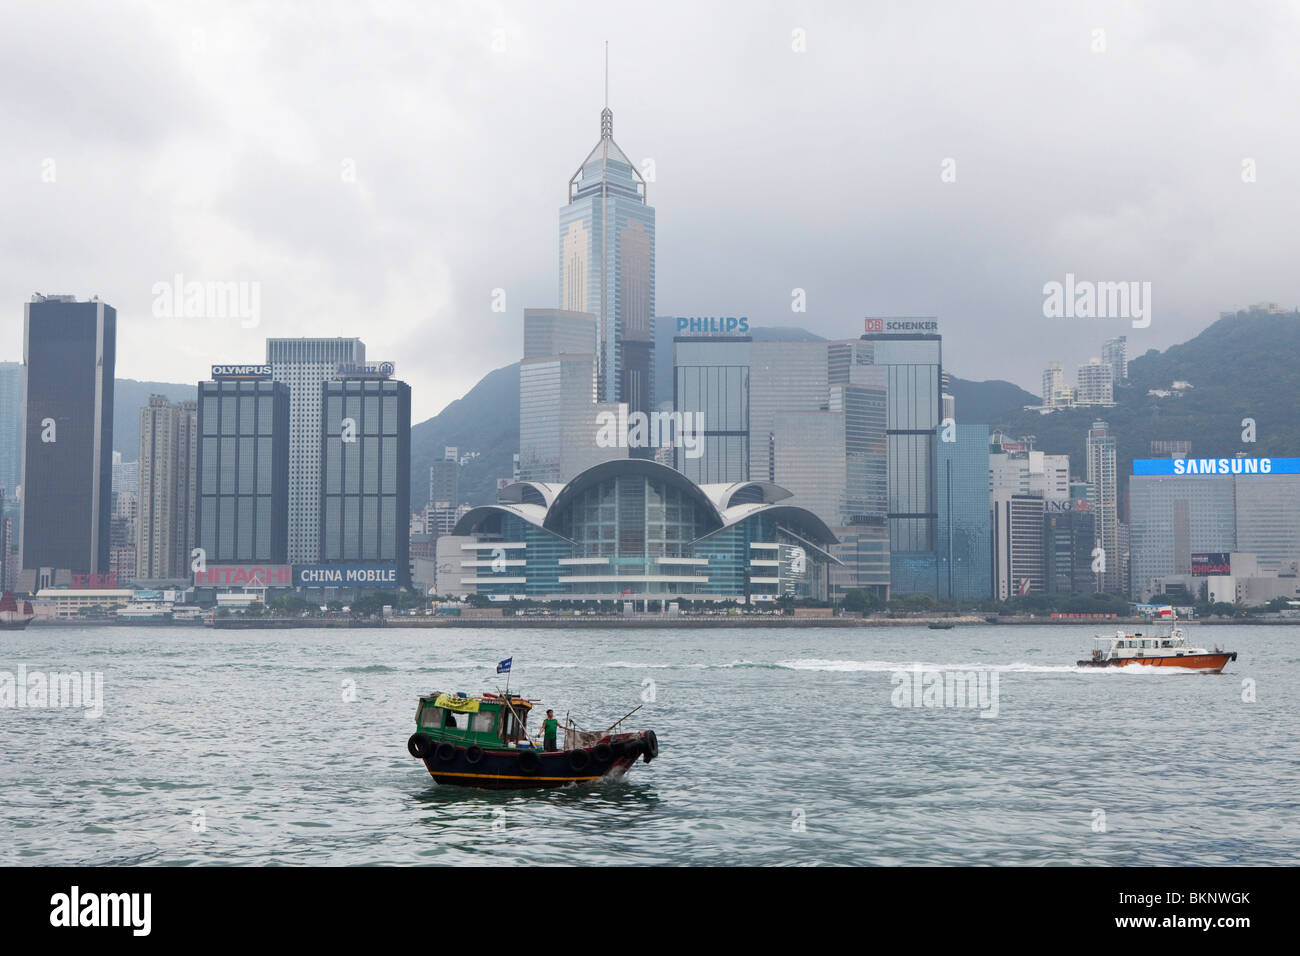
(483, 741)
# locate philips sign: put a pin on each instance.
(381, 574)
(1174, 467)
(225, 373)
(712, 325)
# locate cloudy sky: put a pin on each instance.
(380, 169)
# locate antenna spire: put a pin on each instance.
(606, 115)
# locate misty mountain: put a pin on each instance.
(1241, 367)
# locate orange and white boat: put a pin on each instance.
(1162, 649)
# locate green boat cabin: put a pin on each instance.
(465, 721)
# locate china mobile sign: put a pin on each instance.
(378, 574)
(244, 575)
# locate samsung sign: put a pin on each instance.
(225, 373)
(1144, 467)
(712, 325)
(378, 574)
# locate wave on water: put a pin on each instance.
(1019, 667)
(1016, 667)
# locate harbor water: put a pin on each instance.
(798, 746)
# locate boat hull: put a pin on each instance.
(1210, 663)
(511, 769)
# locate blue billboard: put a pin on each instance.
(1180, 467)
(350, 574)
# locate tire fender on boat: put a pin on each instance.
(529, 762)
(474, 754)
(418, 745)
(651, 745)
(446, 752)
(602, 752)
(578, 759)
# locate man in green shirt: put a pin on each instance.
(550, 727)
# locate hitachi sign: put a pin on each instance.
(712, 325)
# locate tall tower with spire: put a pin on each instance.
(607, 252)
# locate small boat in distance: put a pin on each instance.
(12, 619)
(941, 625)
(1167, 649)
(483, 741)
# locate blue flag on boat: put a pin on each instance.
(504, 666)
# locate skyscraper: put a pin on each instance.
(711, 382)
(1095, 384)
(963, 545)
(607, 246)
(911, 351)
(69, 348)
(1101, 455)
(305, 365)
(11, 426)
(444, 481)
(1055, 391)
(243, 471)
(1115, 354)
(167, 489)
(366, 473)
(558, 411)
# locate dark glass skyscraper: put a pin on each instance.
(243, 468)
(964, 544)
(69, 350)
(366, 473)
(711, 383)
(914, 361)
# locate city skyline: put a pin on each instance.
(282, 178)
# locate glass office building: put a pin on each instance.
(635, 530)
(607, 267)
(915, 374)
(12, 379)
(305, 365)
(1170, 518)
(69, 348)
(711, 381)
(243, 468)
(1069, 535)
(366, 473)
(964, 543)
(1268, 519)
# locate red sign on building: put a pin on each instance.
(245, 575)
(94, 582)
